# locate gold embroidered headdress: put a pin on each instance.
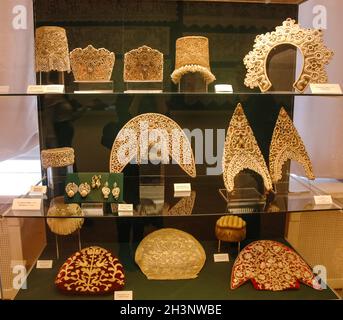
(309, 41)
(52, 53)
(192, 55)
(241, 151)
(170, 254)
(91, 64)
(287, 144)
(177, 145)
(143, 64)
(270, 265)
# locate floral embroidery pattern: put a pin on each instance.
(93, 270)
(272, 266)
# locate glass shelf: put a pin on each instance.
(275, 93)
(157, 199)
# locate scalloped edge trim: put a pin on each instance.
(178, 73)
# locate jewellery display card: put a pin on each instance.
(95, 194)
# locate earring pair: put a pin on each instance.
(71, 189)
(115, 191)
(96, 181)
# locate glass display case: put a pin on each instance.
(94, 109)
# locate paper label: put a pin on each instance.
(38, 190)
(26, 204)
(4, 89)
(182, 187)
(221, 257)
(323, 200)
(52, 88)
(325, 88)
(92, 209)
(125, 213)
(122, 207)
(123, 295)
(44, 264)
(223, 88)
(35, 89)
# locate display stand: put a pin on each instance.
(52, 77)
(94, 86)
(148, 86)
(56, 179)
(193, 82)
(243, 200)
(57, 244)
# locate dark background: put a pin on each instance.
(89, 123)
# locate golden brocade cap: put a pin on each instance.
(91, 64)
(57, 157)
(143, 64)
(192, 55)
(170, 254)
(51, 49)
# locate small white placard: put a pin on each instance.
(325, 88)
(182, 187)
(38, 190)
(35, 89)
(125, 209)
(54, 88)
(92, 209)
(223, 88)
(182, 190)
(51, 88)
(26, 204)
(323, 200)
(221, 257)
(44, 264)
(4, 89)
(123, 295)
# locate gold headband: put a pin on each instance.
(154, 122)
(58, 157)
(308, 41)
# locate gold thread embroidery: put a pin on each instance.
(192, 55)
(58, 157)
(90, 64)
(241, 151)
(287, 144)
(272, 266)
(170, 254)
(92, 270)
(52, 52)
(309, 41)
(143, 64)
(168, 128)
